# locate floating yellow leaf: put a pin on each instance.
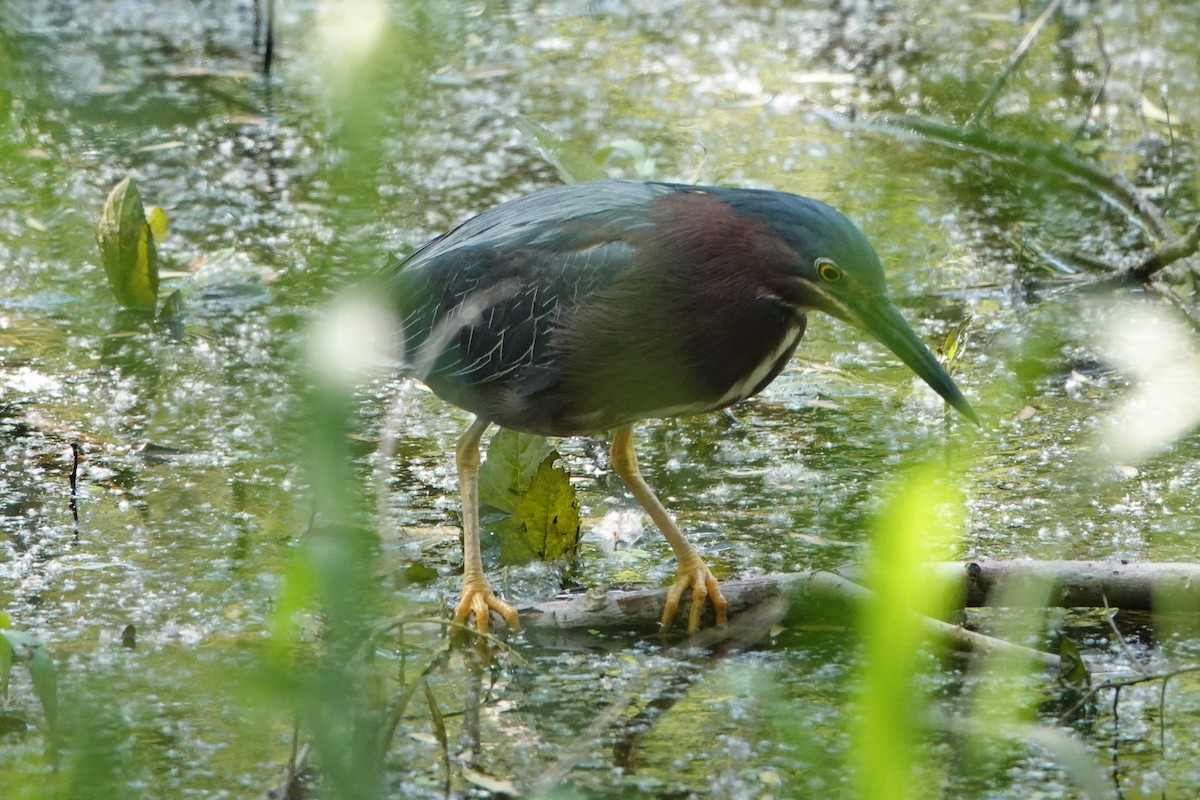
(158, 223)
(127, 248)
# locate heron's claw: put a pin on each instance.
(479, 600)
(694, 574)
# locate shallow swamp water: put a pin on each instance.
(156, 586)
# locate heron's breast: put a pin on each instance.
(758, 373)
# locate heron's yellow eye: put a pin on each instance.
(828, 270)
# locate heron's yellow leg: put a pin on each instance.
(477, 599)
(691, 573)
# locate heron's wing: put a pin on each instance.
(558, 218)
(480, 304)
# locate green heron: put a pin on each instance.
(587, 308)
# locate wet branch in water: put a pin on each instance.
(1034, 156)
(1167, 247)
(1163, 256)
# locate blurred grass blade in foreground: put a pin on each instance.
(918, 523)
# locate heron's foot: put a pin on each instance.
(479, 600)
(695, 575)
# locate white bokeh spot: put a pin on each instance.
(353, 339)
(1161, 356)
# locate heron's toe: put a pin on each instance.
(478, 601)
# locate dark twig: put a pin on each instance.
(1017, 57)
(397, 714)
(1096, 95)
(439, 730)
(1143, 272)
(269, 49)
(73, 504)
(436, 662)
(1166, 201)
(1162, 719)
(1115, 749)
(264, 32)
(1117, 685)
(290, 783)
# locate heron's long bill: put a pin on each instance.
(884, 322)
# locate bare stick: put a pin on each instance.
(1129, 586)
(1017, 57)
(1096, 95)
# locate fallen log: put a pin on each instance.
(1099, 584)
(1078, 584)
(1130, 586)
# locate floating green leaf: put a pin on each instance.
(954, 343)
(538, 515)
(127, 247)
(545, 522)
(419, 573)
(1074, 671)
(512, 461)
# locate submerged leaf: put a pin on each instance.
(127, 247)
(512, 461)
(419, 573)
(545, 522)
(172, 313)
